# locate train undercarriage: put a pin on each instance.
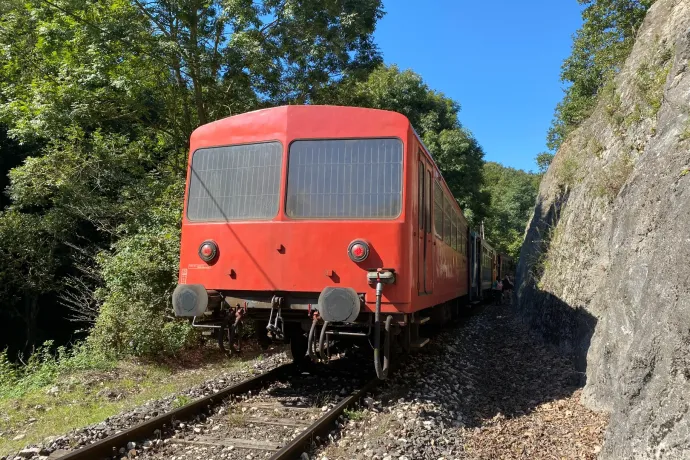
(316, 333)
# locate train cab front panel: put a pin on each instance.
(295, 202)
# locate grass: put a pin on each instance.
(651, 80)
(181, 401)
(566, 174)
(87, 396)
(613, 102)
(612, 178)
(354, 414)
(383, 425)
(542, 261)
(685, 135)
(595, 147)
(236, 419)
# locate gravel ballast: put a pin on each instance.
(487, 389)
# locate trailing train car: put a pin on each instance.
(323, 223)
(483, 267)
(505, 266)
(488, 263)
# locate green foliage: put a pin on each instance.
(612, 101)
(685, 134)
(599, 49)
(542, 259)
(105, 95)
(612, 178)
(45, 366)
(595, 147)
(543, 161)
(236, 419)
(512, 195)
(567, 172)
(651, 80)
(139, 275)
(354, 414)
(181, 400)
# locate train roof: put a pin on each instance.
(281, 116)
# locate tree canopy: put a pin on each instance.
(599, 48)
(512, 194)
(98, 102)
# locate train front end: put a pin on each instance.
(295, 219)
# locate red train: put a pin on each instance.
(322, 223)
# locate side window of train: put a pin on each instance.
(421, 199)
(447, 225)
(454, 230)
(438, 211)
(459, 229)
(427, 205)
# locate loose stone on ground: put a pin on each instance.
(488, 389)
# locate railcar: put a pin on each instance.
(505, 266)
(323, 223)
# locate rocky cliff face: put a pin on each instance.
(605, 268)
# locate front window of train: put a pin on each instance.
(236, 182)
(345, 179)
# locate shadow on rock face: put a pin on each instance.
(569, 327)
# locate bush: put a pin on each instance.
(45, 366)
(567, 172)
(612, 178)
(139, 276)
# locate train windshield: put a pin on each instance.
(236, 182)
(345, 179)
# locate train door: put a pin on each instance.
(425, 272)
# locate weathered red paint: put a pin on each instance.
(307, 255)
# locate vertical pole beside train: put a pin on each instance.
(381, 373)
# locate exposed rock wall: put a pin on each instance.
(605, 268)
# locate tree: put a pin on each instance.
(599, 48)
(543, 161)
(107, 93)
(29, 262)
(512, 195)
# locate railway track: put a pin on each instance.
(275, 415)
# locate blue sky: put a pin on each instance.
(499, 59)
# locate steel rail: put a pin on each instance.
(108, 447)
(294, 448)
